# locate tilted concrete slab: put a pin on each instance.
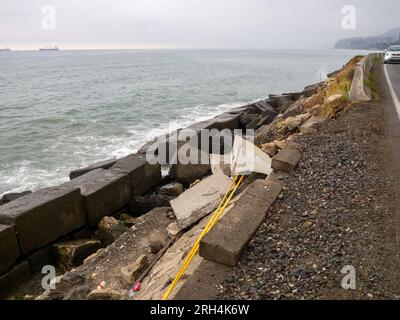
(103, 192)
(286, 160)
(9, 249)
(200, 200)
(43, 216)
(247, 158)
(226, 241)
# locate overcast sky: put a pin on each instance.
(249, 24)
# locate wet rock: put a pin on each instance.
(172, 189)
(269, 148)
(72, 253)
(105, 294)
(110, 229)
(127, 219)
(130, 272)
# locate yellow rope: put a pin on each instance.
(211, 223)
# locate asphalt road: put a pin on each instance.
(392, 75)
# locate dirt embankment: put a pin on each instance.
(339, 208)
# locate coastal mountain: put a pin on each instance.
(369, 43)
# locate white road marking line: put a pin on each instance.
(392, 92)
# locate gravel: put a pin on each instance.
(338, 209)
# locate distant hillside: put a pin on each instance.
(375, 42)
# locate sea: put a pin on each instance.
(61, 110)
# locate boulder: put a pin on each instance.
(103, 192)
(293, 111)
(292, 123)
(172, 189)
(128, 220)
(286, 160)
(311, 125)
(71, 254)
(9, 249)
(200, 200)
(131, 272)
(335, 99)
(105, 294)
(99, 165)
(110, 229)
(173, 230)
(44, 216)
(269, 148)
(316, 110)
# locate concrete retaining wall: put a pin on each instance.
(359, 91)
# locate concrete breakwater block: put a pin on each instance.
(142, 175)
(286, 160)
(43, 216)
(200, 200)
(103, 193)
(9, 249)
(226, 241)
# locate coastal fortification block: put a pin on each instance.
(198, 201)
(142, 175)
(286, 160)
(103, 192)
(43, 216)
(226, 241)
(99, 165)
(9, 249)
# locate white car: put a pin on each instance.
(392, 55)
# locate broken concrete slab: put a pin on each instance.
(142, 175)
(204, 283)
(105, 264)
(9, 249)
(226, 241)
(311, 125)
(200, 200)
(71, 254)
(247, 158)
(103, 191)
(98, 165)
(286, 160)
(44, 216)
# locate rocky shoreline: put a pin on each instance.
(106, 204)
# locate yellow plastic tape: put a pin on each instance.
(211, 223)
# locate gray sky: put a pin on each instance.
(277, 24)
